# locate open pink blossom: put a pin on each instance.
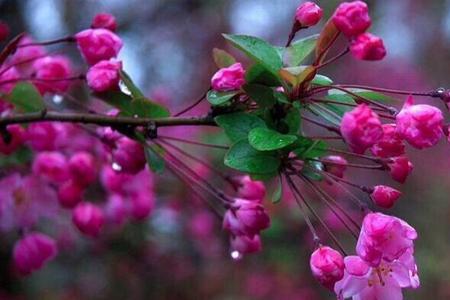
(246, 217)
(246, 244)
(361, 128)
(384, 282)
(104, 20)
(251, 189)
(385, 238)
(400, 167)
(17, 136)
(33, 251)
(335, 164)
(51, 74)
(385, 196)
(390, 145)
(327, 266)
(367, 46)
(104, 75)
(88, 218)
(352, 18)
(308, 14)
(228, 79)
(420, 125)
(98, 44)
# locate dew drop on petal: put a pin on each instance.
(116, 167)
(236, 255)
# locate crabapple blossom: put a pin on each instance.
(4, 31)
(385, 196)
(308, 14)
(245, 244)
(52, 166)
(327, 266)
(82, 168)
(70, 193)
(104, 75)
(130, 155)
(251, 189)
(335, 164)
(33, 251)
(115, 209)
(16, 138)
(361, 128)
(228, 79)
(104, 20)
(42, 136)
(399, 168)
(98, 44)
(9, 79)
(51, 72)
(88, 218)
(246, 217)
(367, 46)
(141, 206)
(112, 180)
(352, 18)
(24, 57)
(420, 125)
(390, 145)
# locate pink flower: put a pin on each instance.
(104, 75)
(42, 136)
(308, 14)
(399, 168)
(385, 196)
(352, 18)
(327, 266)
(246, 244)
(70, 193)
(24, 57)
(384, 237)
(82, 168)
(17, 134)
(201, 225)
(420, 125)
(251, 189)
(384, 282)
(10, 77)
(113, 181)
(142, 205)
(51, 72)
(98, 44)
(115, 209)
(130, 155)
(33, 251)
(52, 166)
(368, 47)
(104, 20)
(335, 164)
(361, 128)
(88, 218)
(4, 31)
(246, 217)
(390, 145)
(228, 79)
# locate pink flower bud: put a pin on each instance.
(115, 209)
(251, 189)
(420, 125)
(368, 47)
(10, 76)
(400, 167)
(32, 252)
(88, 218)
(327, 266)
(50, 70)
(82, 168)
(142, 205)
(361, 128)
(104, 20)
(27, 54)
(104, 75)
(70, 193)
(42, 136)
(229, 79)
(352, 18)
(390, 145)
(4, 31)
(98, 44)
(16, 133)
(112, 180)
(130, 155)
(308, 14)
(246, 244)
(385, 196)
(335, 164)
(52, 166)
(246, 217)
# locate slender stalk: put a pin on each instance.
(67, 39)
(323, 125)
(385, 90)
(360, 166)
(191, 106)
(193, 142)
(333, 59)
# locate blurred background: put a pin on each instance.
(181, 253)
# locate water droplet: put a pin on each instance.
(236, 255)
(116, 167)
(57, 99)
(124, 89)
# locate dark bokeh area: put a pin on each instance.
(167, 51)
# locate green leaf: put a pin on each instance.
(154, 160)
(117, 99)
(292, 120)
(375, 96)
(26, 98)
(299, 50)
(309, 168)
(259, 75)
(219, 98)
(258, 50)
(134, 90)
(308, 148)
(264, 139)
(326, 113)
(222, 58)
(321, 80)
(261, 94)
(145, 108)
(21, 156)
(278, 192)
(243, 157)
(238, 125)
(338, 108)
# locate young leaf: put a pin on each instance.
(261, 94)
(297, 75)
(26, 98)
(222, 58)
(328, 34)
(257, 74)
(245, 158)
(299, 50)
(321, 80)
(218, 98)
(154, 160)
(258, 50)
(119, 100)
(134, 90)
(238, 125)
(264, 139)
(145, 108)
